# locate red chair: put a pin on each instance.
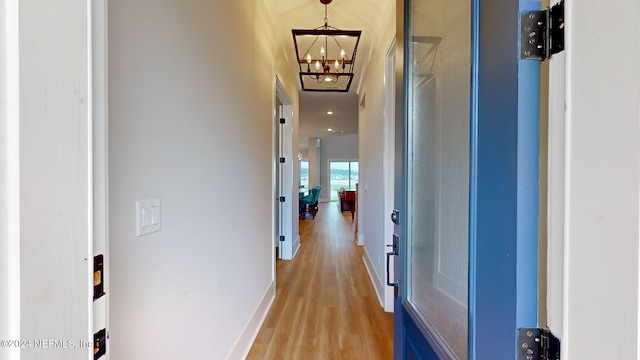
(350, 199)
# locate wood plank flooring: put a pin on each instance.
(325, 306)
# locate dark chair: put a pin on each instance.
(309, 203)
(350, 199)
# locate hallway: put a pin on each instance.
(325, 305)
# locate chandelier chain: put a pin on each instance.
(326, 18)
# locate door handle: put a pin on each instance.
(389, 255)
(389, 283)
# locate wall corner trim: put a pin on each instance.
(296, 246)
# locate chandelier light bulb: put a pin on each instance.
(308, 58)
(317, 65)
(322, 51)
(342, 54)
(337, 64)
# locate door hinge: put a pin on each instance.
(537, 344)
(99, 344)
(282, 160)
(283, 120)
(542, 32)
(281, 237)
(282, 199)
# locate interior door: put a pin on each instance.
(466, 196)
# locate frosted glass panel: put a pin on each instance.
(438, 218)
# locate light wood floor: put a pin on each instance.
(325, 306)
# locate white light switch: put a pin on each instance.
(155, 214)
(147, 216)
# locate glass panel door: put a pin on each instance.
(342, 175)
(353, 175)
(438, 170)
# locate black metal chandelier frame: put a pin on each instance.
(344, 65)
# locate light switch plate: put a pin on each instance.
(147, 216)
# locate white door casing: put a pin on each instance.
(594, 182)
(389, 167)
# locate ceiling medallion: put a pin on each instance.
(323, 56)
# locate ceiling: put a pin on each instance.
(314, 120)
(344, 15)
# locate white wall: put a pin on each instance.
(602, 215)
(192, 93)
(45, 177)
(339, 147)
(313, 158)
(371, 207)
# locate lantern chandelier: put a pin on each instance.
(323, 56)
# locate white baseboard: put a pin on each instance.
(360, 239)
(296, 246)
(242, 347)
(375, 281)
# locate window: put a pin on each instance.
(342, 174)
(304, 174)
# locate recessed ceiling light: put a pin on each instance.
(329, 112)
(329, 129)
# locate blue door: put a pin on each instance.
(467, 195)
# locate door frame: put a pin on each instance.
(388, 164)
(289, 213)
(99, 143)
(595, 149)
(10, 177)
